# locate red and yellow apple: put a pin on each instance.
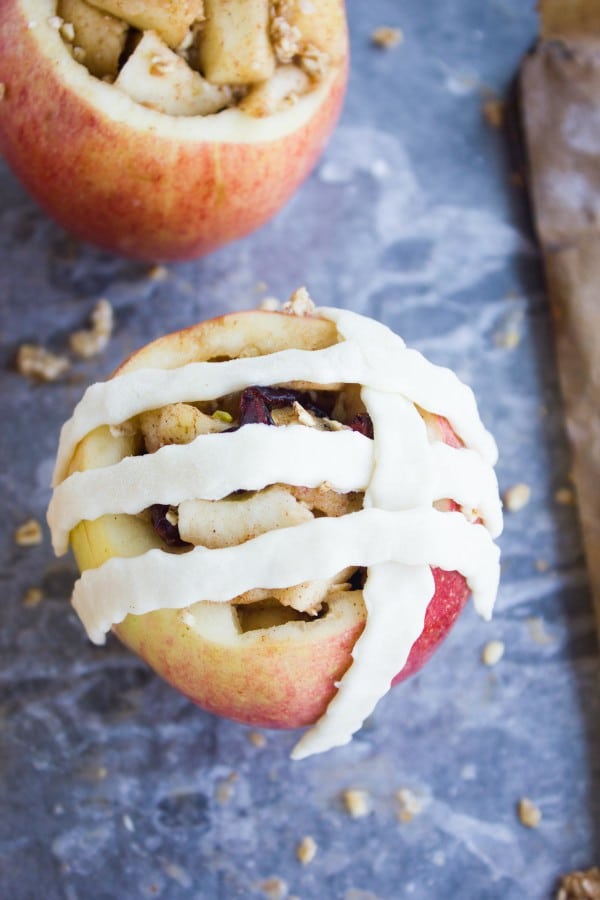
(128, 147)
(262, 664)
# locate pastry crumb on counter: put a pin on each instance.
(565, 496)
(409, 804)
(157, 273)
(55, 22)
(34, 361)
(580, 885)
(529, 814)
(306, 850)
(89, 342)
(257, 739)
(493, 111)
(387, 37)
(29, 534)
(542, 565)
(508, 340)
(274, 888)
(517, 497)
(67, 31)
(357, 802)
(492, 653)
(33, 597)
(300, 303)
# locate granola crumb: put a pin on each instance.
(357, 802)
(529, 814)
(33, 597)
(314, 62)
(409, 803)
(565, 496)
(67, 31)
(89, 342)
(300, 303)
(285, 38)
(493, 112)
(306, 850)
(492, 653)
(38, 363)
(257, 739)
(580, 885)
(157, 273)
(517, 496)
(508, 340)
(29, 534)
(386, 37)
(128, 822)
(274, 888)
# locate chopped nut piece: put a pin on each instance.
(314, 62)
(516, 497)
(90, 342)
(285, 38)
(300, 303)
(493, 112)
(565, 496)
(306, 850)
(387, 37)
(529, 814)
(37, 362)
(582, 885)
(410, 804)
(492, 653)
(357, 802)
(29, 534)
(274, 888)
(257, 739)
(33, 597)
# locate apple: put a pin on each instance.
(161, 150)
(260, 663)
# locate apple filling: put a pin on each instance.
(199, 57)
(244, 515)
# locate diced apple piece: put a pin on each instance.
(100, 36)
(171, 19)
(176, 423)
(234, 45)
(224, 523)
(283, 88)
(321, 23)
(157, 77)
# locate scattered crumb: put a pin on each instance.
(257, 739)
(29, 534)
(274, 888)
(37, 362)
(270, 304)
(409, 803)
(357, 802)
(33, 597)
(67, 31)
(89, 342)
(224, 791)
(493, 112)
(529, 814)
(508, 339)
(157, 273)
(386, 37)
(583, 885)
(542, 565)
(537, 631)
(565, 496)
(306, 850)
(492, 653)
(128, 822)
(517, 496)
(300, 303)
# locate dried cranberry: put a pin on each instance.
(165, 529)
(363, 424)
(256, 403)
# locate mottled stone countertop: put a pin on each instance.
(114, 786)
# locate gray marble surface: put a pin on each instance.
(113, 786)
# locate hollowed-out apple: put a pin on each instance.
(163, 130)
(267, 658)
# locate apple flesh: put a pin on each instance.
(262, 664)
(145, 177)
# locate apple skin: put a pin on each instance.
(135, 190)
(281, 677)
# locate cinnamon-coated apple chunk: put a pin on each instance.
(234, 45)
(169, 18)
(271, 501)
(101, 37)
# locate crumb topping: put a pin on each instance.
(90, 342)
(29, 534)
(34, 361)
(492, 653)
(306, 850)
(357, 802)
(530, 815)
(580, 885)
(517, 497)
(386, 37)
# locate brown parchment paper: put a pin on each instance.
(560, 103)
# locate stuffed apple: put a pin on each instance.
(282, 512)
